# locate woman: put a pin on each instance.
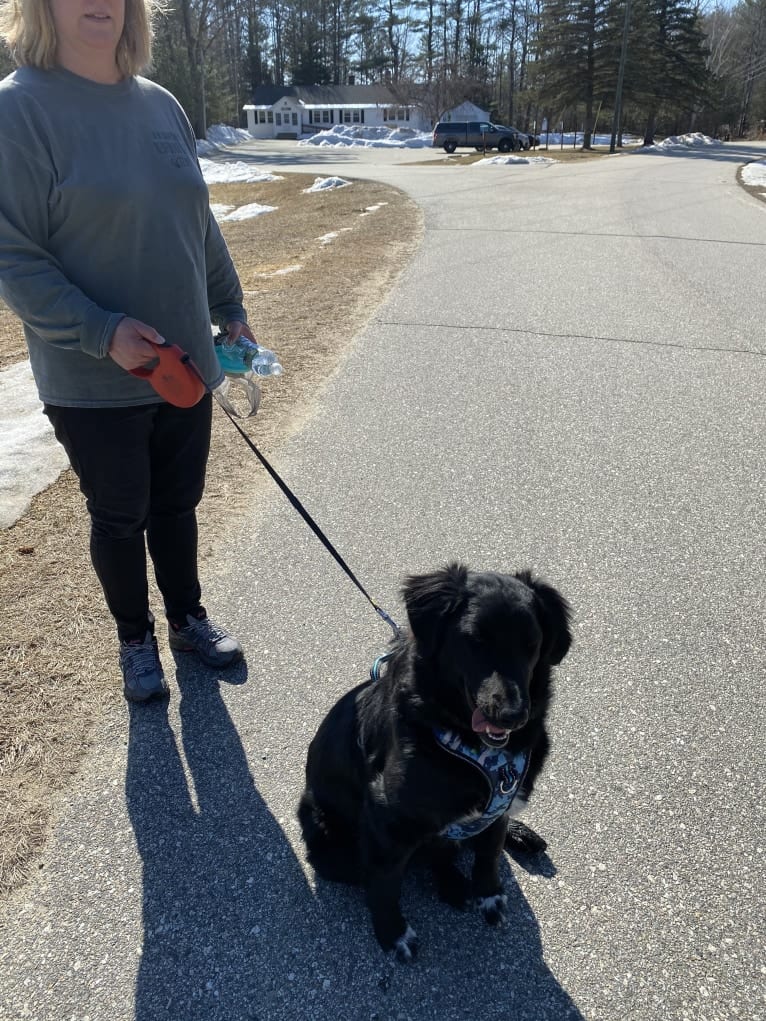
(107, 246)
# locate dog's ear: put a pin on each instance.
(554, 615)
(430, 599)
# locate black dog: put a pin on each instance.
(434, 751)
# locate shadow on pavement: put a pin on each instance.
(233, 930)
(218, 873)
(295, 155)
(465, 968)
(292, 158)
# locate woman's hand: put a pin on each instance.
(131, 344)
(234, 329)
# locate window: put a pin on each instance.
(270, 115)
(327, 116)
(261, 116)
(295, 119)
(402, 113)
(278, 117)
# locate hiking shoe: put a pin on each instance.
(142, 670)
(212, 644)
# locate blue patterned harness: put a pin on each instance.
(504, 774)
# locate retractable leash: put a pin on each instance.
(296, 503)
(168, 372)
(176, 378)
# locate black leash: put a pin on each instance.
(296, 503)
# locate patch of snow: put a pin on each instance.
(30, 456)
(754, 174)
(495, 160)
(325, 183)
(224, 173)
(247, 212)
(281, 272)
(220, 209)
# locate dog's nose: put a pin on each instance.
(512, 719)
(508, 706)
(517, 721)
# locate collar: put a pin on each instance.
(379, 662)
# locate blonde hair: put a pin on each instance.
(28, 29)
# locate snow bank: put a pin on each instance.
(695, 140)
(220, 135)
(754, 174)
(343, 135)
(224, 173)
(570, 140)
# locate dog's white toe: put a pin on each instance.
(406, 947)
(494, 908)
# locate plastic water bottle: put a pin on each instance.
(243, 356)
(265, 362)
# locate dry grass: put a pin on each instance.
(57, 648)
(13, 347)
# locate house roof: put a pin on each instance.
(326, 95)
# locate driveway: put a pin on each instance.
(569, 376)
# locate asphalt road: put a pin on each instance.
(569, 376)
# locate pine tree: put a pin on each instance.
(672, 74)
(568, 47)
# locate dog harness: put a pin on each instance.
(503, 773)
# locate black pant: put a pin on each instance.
(142, 470)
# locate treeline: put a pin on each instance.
(685, 65)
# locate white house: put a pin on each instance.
(467, 111)
(289, 111)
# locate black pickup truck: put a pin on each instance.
(476, 135)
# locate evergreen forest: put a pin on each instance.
(648, 67)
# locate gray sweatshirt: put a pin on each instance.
(104, 214)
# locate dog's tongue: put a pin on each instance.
(481, 725)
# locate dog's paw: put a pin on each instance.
(521, 838)
(406, 946)
(493, 908)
